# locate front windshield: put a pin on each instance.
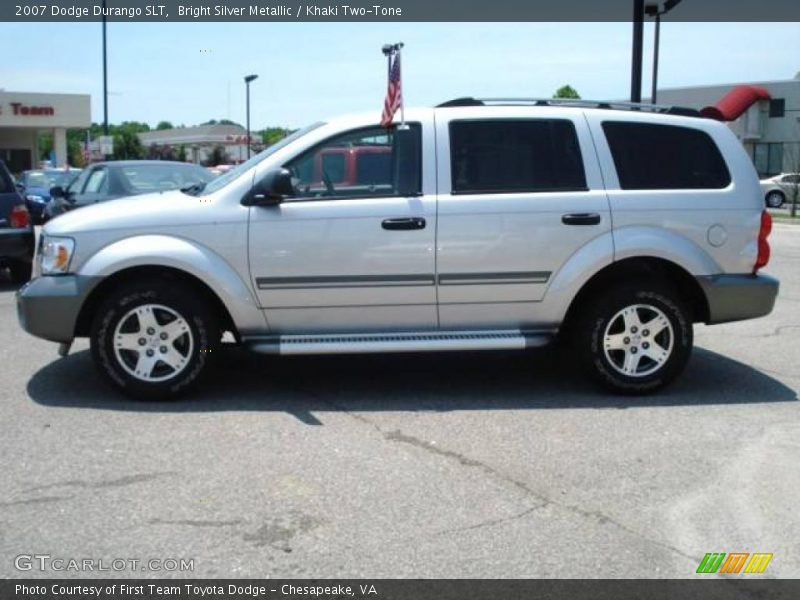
(223, 180)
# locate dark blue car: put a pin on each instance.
(35, 186)
(16, 231)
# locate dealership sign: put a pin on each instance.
(23, 110)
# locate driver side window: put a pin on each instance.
(369, 162)
(96, 183)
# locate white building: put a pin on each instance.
(200, 141)
(23, 116)
(769, 129)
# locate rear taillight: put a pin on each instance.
(19, 216)
(763, 245)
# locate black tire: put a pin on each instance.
(774, 199)
(601, 315)
(20, 271)
(196, 346)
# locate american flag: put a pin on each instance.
(394, 93)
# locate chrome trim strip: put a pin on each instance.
(511, 277)
(342, 281)
(359, 281)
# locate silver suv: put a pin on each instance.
(478, 224)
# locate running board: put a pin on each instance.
(424, 341)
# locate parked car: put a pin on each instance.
(117, 179)
(35, 186)
(16, 231)
(366, 164)
(492, 229)
(779, 188)
(219, 169)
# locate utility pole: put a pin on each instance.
(636, 53)
(105, 75)
(653, 10)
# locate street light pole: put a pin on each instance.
(247, 81)
(652, 10)
(636, 53)
(105, 75)
(653, 95)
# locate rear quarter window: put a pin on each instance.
(653, 157)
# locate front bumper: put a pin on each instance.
(738, 297)
(48, 307)
(17, 244)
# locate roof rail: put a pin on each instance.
(574, 102)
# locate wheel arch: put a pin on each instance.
(647, 268)
(173, 275)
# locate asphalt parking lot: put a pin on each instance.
(442, 465)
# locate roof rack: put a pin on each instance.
(574, 102)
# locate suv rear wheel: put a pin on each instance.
(154, 340)
(635, 339)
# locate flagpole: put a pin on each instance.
(402, 125)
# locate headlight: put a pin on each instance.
(55, 255)
(35, 198)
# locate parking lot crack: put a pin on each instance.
(400, 437)
(542, 500)
(107, 483)
(42, 500)
(196, 523)
(491, 522)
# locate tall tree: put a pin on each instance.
(127, 145)
(567, 91)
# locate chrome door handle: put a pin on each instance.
(580, 219)
(404, 224)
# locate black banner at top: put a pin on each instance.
(388, 10)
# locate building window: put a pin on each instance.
(777, 107)
(768, 158)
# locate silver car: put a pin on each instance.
(780, 188)
(474, 225)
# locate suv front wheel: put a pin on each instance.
(635, 339)
(153, 340)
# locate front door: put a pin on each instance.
(353, 250)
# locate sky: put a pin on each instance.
(187, 73)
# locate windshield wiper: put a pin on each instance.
(194, 189)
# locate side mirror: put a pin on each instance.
(20, 187)
(271, 190)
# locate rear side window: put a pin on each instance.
(653, 157)
(505, 156)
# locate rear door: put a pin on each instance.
(519, 192)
